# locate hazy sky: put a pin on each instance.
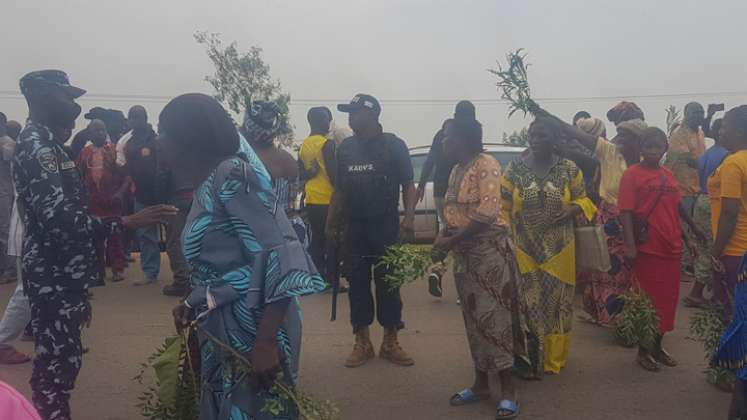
(412, 50)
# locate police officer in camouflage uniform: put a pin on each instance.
(59, 257)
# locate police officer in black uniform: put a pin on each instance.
(59, 257)
(372, 168)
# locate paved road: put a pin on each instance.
(601, 381)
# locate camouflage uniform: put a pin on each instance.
(59, 262)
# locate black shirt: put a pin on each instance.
(141, 165)
(370, 173)
(443, 166)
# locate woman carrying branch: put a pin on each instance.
(542, 194)
(614, 158)
(485, 269)
(248, 265)
(650, 212)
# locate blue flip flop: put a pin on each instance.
(507, 405)
(463, 398)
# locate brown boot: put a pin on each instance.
(390, 350)
(363, 350)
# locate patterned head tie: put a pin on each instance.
(262, 121)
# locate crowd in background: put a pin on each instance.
(249, 227)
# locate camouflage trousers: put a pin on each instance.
(57, 328)
(702, 218)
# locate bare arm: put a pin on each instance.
(430, 160)
(626, 219)
(409, 199)
(586, 139)
(727, 223)
(691, 223)
(329, 154)
(265, 353)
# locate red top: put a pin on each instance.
(639, 188)
(102, 179)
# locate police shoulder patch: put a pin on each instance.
(48, 160)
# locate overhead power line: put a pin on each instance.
(115, 97)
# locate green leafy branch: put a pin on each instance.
(163, 401)
(405, 264)
(637, 323)
(706, 326)
(513, 84)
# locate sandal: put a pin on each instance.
(694, 303)
(649, 363)
(507, 410)
(464, 397)
(434, 285)
(665, 358)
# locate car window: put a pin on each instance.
(504, 158)
(417, 166)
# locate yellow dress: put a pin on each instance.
(546, 255)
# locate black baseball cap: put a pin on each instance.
(42, 80)
(359, 102)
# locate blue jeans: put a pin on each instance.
(17, 313)
(150, 252)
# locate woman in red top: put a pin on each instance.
(650, 192)
(106, 188)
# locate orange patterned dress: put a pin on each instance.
(485, 269)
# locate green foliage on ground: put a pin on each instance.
(175, 392)
(706, 326)
(637, 324)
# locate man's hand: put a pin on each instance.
(266, 363)
(407, 231)
(150, 216)
(420, 192)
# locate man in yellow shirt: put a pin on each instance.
(317, 161)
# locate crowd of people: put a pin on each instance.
(249, 228)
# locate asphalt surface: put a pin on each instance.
(601, 381)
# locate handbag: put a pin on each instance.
(592, 253)
(640, 224)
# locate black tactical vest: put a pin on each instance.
(368, 178)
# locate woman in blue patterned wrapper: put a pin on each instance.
(732, 351)
(248, 266)
(262, 124)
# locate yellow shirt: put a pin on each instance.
(611, 166)
(319, 188)
(730, 181)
